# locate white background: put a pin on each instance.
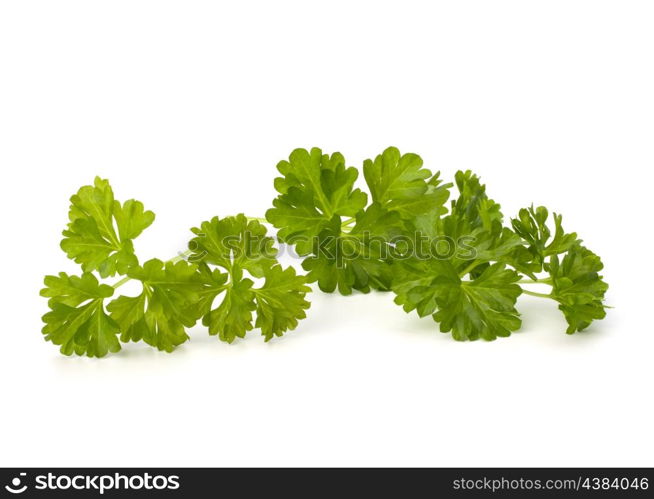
(188, 106)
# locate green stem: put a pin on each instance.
(539, 295)
(469, 268)
(346, 226)
(348, 222)
(121, 282)
(257, 219)
(547, 280)
(180, 257)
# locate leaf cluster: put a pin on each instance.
(214, 281)
(443, 249)
(459, 263)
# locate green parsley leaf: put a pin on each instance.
(358, 259)
(238, 245)
(578, 287)
(482, 307)
(166, 307)
(280, 301)
(315, 187)
(471, 235)
(473, 208)
(470, 241)
(452, 264)
(100, 232)
(400, 183)
(531, 225)
(233, 317)
(77, 320)
(234, 242)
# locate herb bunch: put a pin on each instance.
(443, 249)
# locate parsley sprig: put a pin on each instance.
(87, 318)
(458, 262)
(461, 264)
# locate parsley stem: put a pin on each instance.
(539, 295)
(547, 280)
(121, 282)
(469, 268)
(346, 227)
(179, 257)
(257, 219)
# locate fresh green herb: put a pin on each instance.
(236, 245)
(77, 319)
(100, 233)
(86, 319)
(578, 287)
(317, 191)
(467, 288)
(459, 264)
(166, 306)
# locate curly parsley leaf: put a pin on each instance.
(233, 317)
(462, 279)
(578, 287)
(471, 236)
(280, 301)
(450, 264)
(317, 190)
(473, 208)
(573, 269)
(481, 307)
(531, 226)
(398, 182)
(100, 232)
(238, 245)
(314, 188)
(358, 259)
(77, 321)
(166, 306)
(234, 242)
